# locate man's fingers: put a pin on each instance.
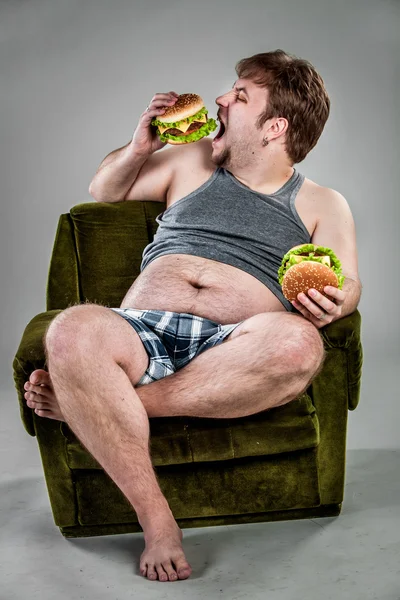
(334, 292)
(158, 104)
(318, 305)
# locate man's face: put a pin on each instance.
(239, 109)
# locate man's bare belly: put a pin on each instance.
(204, 287)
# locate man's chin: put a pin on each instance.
(220, 154)
(218, 159)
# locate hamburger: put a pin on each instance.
(185, 121)
(309, 266)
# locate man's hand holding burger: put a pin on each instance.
(172, 118)
(312, 281)
(185, 122)
(145, 139)
(320, 310)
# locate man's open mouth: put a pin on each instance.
(220, 132)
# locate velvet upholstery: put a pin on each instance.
(280, 464)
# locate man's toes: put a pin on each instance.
(183, 568)
(40, 383)
(151, 572)
(48, 414)
(40, 376)
(35, 398)
(30, 399)
(162, 576)
(42, 390)
(143, 570)
(40, 405)
(184, 573)
(172, 575)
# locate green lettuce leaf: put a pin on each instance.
(207, 128)
(288, 261)
(172, 124)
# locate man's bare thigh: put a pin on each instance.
(108, 332)
(266, 321)
(284, 334)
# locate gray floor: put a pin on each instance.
(354, 556)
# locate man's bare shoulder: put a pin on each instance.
(163, 170)
(317, 196)
(190, 157)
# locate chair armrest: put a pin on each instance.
(345, 334)
(30, 356)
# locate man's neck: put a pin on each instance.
(267, 180)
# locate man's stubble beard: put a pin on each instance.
(223, 158)
(237, 155)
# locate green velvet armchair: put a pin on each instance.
(284, 463)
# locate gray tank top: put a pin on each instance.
(226, 221)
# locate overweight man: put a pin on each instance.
(205, 330)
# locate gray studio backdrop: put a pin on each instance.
(75, 76)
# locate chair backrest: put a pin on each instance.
(98, 250)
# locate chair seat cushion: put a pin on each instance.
(179, 440)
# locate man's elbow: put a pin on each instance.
(102, 198)
(93, 193)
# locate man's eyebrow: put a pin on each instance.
(241, 89)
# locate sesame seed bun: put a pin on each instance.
(305, 275)
(185, 106)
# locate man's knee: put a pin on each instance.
(308, 347)
(306, 355)
(85, 330)
(297, 342)
(74, 327)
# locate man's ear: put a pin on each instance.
(277, 127)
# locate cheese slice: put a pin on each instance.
(184, 125)
(297, 258)
(202, 119)
(326, 260)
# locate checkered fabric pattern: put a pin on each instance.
(173, 339)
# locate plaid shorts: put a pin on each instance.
(172, 339)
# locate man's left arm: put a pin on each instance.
(335, 229)
(352, 288)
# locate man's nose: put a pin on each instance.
(223, 100)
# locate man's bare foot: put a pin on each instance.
(163, 557)
(41, 397)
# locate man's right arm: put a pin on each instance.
(117, 173)
(137, 165)
(125, 175)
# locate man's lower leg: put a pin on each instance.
(101, 407)
(103, 410)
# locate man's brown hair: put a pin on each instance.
(296, 93)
